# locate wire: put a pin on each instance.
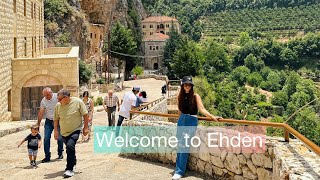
(296, 113)
(129, 55)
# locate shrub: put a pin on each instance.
(98, 101)
(100, 81)
(138, 70)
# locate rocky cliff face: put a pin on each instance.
(66, 25)
(72, 28)
(109, 11)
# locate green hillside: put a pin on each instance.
(279, 21)
(228, 17)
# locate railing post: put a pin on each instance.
(286, 135)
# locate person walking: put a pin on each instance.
(48, 102)
(90, 108)
(142, 98)
(68, 113)
(34, 142)
(110, 103)
(128, 102)
(189, 103)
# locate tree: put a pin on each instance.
(253, 63)
(290, 85)
(138, 70)
(122, 41)
(240, 74)
(272, 83)
(85, 72)
(188, 59)
(300, 99)
(254, 79)
(265, 72)
(169, 49)
(307, 86)
(280, 98)
(204, 89)
(216, 57)
(307, 123)
(288, 57)
(244, 38)
(55, 9)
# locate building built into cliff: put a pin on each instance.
(155, 31)
(97, 36)
(26, 66)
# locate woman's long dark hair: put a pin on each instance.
(85, 93)
(144, 94)
(189, 96)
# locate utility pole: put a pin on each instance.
(105, 73)
(108, 79)
(109, 56)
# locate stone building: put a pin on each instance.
(155, 31)
(96, 36)
(96, 43)
(25, 65)
(153, 47)
(159, 24)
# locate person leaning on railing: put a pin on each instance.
(189, 103)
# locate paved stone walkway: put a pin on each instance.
(14, 163)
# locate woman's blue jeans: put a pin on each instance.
(187, 125)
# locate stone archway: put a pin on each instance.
(33, 82)
(31, 94)
(155, 66)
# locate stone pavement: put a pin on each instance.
(14, 162)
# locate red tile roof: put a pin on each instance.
(156, 37)
(159, 19)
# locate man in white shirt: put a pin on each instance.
(127, 103)
(47, 106)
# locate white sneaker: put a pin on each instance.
(176, 176)
(68, 173)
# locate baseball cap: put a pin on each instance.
(136, 88)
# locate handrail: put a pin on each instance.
(146, 106)
(285, 126)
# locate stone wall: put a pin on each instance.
(56, 69)
(217, 164)
(157, 77)
(281, 160)
(16, 22)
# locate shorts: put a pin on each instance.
(32, 152)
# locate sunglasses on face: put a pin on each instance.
(60, 98)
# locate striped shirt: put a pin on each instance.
(111, 101)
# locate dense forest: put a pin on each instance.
(249, 74)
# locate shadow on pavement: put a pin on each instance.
(54, 175)
(189, 173)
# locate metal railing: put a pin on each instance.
(146, 106)
(287, 129)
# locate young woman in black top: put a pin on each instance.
(189, 103)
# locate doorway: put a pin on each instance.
(30, 100)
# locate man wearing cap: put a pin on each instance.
(128, 102)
